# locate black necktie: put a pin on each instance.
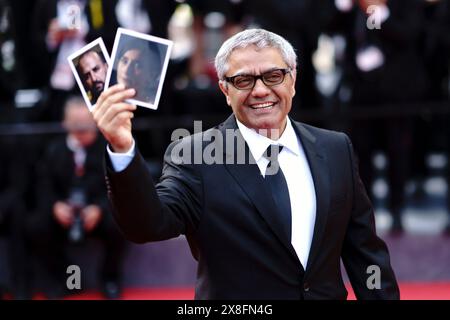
(277, 184)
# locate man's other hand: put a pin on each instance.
(91, 216)
(63, 213)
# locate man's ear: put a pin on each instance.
(224, 87)
(294, 78)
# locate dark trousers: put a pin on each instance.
(50, 242)
(18, 262)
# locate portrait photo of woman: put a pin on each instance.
(140, 62)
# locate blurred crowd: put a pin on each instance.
(376, 69)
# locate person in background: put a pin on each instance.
(72, 202)
(387, 73)
(59, 28)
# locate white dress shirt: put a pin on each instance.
(294, 165)
(61, 77)
(297, 173)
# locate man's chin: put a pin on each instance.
(96, 93)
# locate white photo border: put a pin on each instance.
(150, 38)
(70, 58)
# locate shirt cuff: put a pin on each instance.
(120, 161)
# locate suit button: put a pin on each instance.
(306, 286)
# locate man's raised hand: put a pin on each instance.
(113, 117)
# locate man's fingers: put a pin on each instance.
(112, 95)
(121, 120)
(112, 106)
(106, 119)
(116, 94)
(107, 92)
(119, 96)
(113, 116)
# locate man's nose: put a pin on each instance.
(129, 70)
(93, 76)
(260, 89)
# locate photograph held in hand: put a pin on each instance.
(89, 66)
(139, 61)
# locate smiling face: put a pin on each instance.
(262, 107)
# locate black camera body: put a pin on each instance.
(77, 199)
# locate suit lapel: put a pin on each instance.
(320, 174)
(251, 181)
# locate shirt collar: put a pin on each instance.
(258, 144)
(73, 143)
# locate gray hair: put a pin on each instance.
(258, 37)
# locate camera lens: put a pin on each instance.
(76, 233)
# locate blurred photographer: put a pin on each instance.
(72, 202)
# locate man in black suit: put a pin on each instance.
(260, 225)
(59, 28)
(386, 69)
(72, 202)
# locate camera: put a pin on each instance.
(77, 200)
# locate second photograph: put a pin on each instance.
(139, 61)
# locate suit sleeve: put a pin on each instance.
(363, 248)
(148, 212)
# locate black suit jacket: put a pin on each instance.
(402, 77)
(57, 177)
(226, 213)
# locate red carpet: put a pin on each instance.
(408, 291)
(419, 291)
